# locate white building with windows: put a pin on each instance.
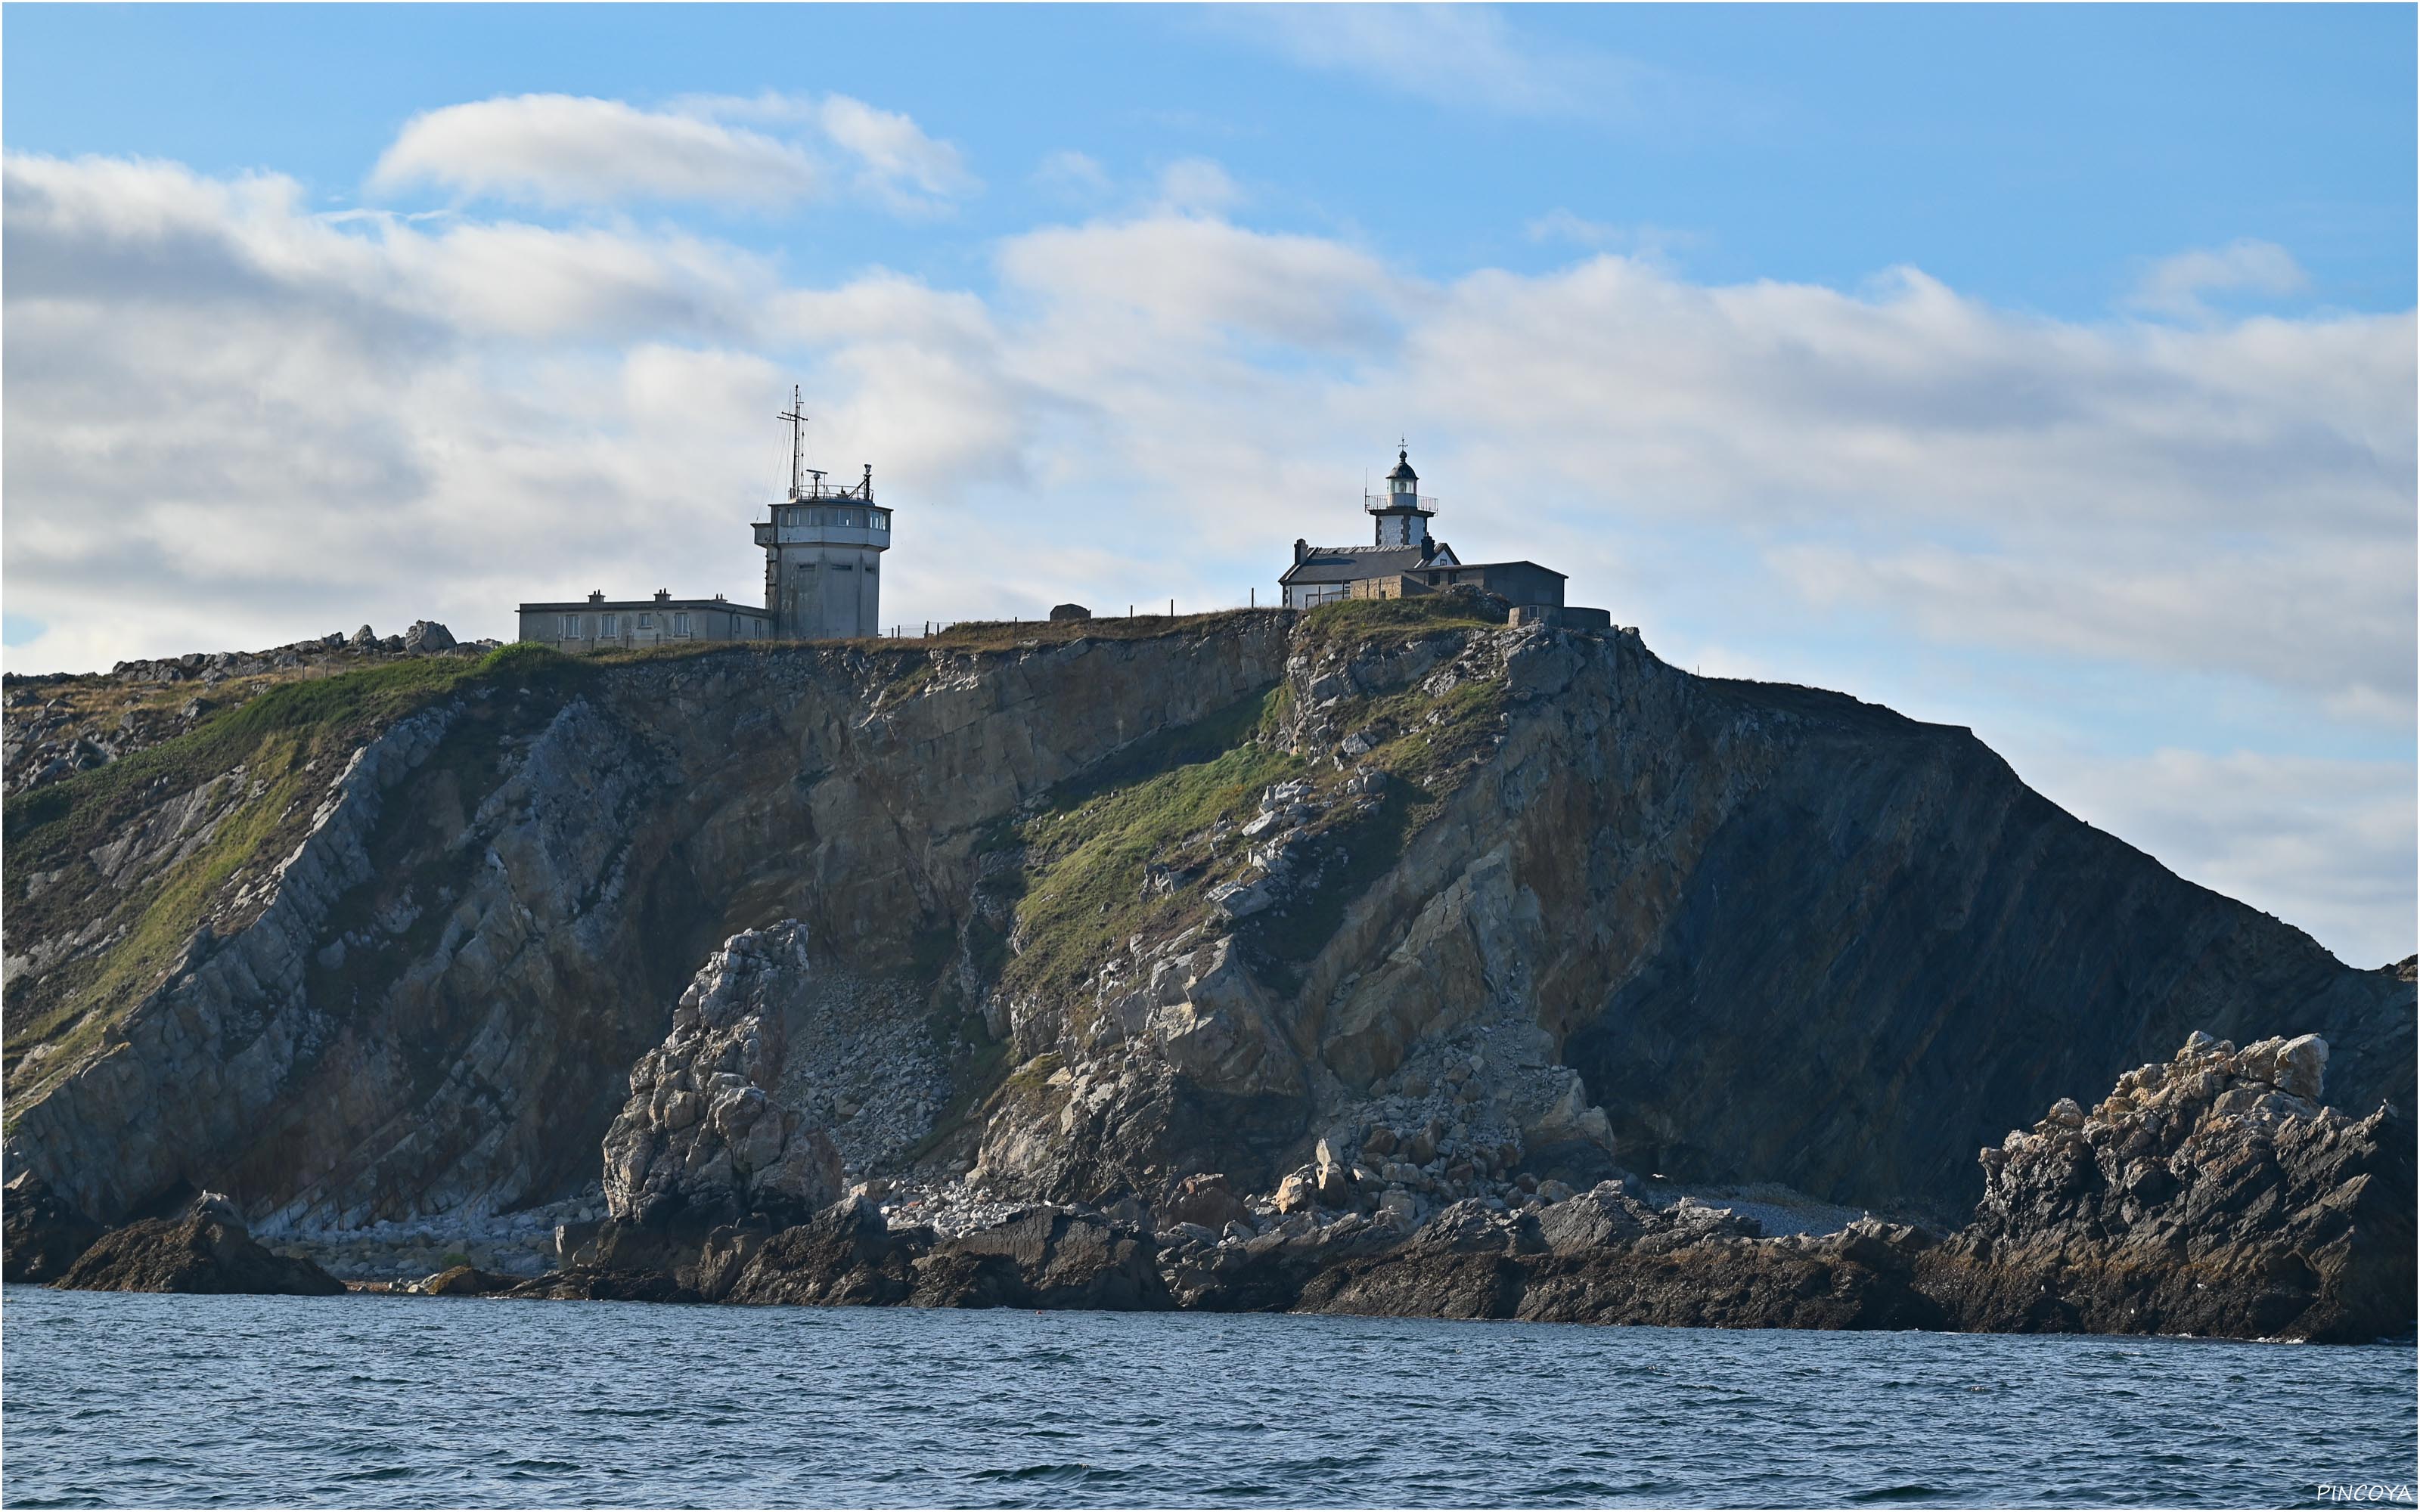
(597, 623)
(823, 576)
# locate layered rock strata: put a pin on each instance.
(1381, 908)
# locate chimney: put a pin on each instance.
(663, 595)
(1301, 549)
(597, 595)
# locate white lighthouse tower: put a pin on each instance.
(1402, 513)
(823, 552)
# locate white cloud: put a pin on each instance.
(1461, 56)
(1652, 243)
(565, 149)
(2175, 286)
(232, 422)
(898, 162)
(2247, 613)
(1197, 184)
(562, 151)
(1187, 275)
(1073, 176)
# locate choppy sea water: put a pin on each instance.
(377, 1401)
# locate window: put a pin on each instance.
(878, 519)
(646, 622)
(571, 628)
(680, 624)
(815, 516)
(609, 630)
(848, 517)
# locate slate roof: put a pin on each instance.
(1349, 564)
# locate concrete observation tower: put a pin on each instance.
(823, 550)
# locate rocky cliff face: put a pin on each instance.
(1081, 911)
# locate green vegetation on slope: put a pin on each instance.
(1092, 855)
(1361, 619)
(283, 745)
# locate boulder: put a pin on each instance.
(1062, 614)
(1298, 1192)
(2302, 1066)
(427, 635)
(1210, 1201)
(465, 1281)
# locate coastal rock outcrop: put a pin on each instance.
(845, 1255)
(2210, 1194)
(1047, 1258)
(849, 1255)
(206, 1249)
(702, 1139)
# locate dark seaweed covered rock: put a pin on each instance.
(40, 1235)
(1607, 1257)
(1044, 1257)
(207, 1250)
(845, 1255)
(589, 1283)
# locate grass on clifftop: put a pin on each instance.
(1356, 619)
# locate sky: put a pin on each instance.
(2048, 371)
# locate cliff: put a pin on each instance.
(1081, 910)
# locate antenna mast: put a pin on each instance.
(797, 416)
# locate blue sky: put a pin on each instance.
(2047, 370)
(2036, 159)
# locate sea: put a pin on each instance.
(129, 1400)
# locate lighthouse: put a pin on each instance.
(1401, 514)
(823, 550)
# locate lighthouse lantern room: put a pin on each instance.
(1402, 511)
